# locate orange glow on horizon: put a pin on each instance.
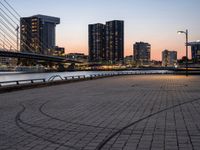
(156, 51)
(76, 44)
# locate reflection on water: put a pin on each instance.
(10, 76)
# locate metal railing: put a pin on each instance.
(18, 82)
(77, 77)
(54, 77)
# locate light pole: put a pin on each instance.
(17, 30)
(186, 45)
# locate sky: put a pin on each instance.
(152, 21)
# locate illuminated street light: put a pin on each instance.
(186, 45)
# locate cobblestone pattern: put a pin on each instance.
(158, 112)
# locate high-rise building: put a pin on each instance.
(195, 48)
(115, 41)
(106, 42)
(96, 37)
(169, 58)
(142, 53)
(38, 34)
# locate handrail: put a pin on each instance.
(19, 81)
(78, 77)
(53, 77)
(75, 77)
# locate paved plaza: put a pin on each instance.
(136, 112)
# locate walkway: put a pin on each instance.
(158, 112)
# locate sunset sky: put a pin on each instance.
(152, 21)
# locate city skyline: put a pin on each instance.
(154, 22)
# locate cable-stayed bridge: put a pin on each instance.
(9, 37)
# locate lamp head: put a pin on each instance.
(180, 32)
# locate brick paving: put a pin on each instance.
(158, 112)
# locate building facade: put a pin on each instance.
(81, 57)
(129, 60)
(169, 58)
(195, 51)
(115, 41)
(9, 62)
(96, 37)
(106, 42)
(142, 53)
(58, 51)
(38, 34)
(4, 61)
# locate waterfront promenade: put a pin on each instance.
(158, 112)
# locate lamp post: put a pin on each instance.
(186, 45)
(17, 30)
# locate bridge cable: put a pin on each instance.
(41, 42)
(12, 8)
(3, 16)
(29, 34)
(7, 27)
(5, 32)
(4, 44)
(13, 21)
(9, 11)
(8, 16)
(8, 41)
(5, 37)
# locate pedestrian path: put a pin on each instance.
(120, 113)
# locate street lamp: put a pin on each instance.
(186, 45)
(17, 30)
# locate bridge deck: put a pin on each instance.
(27, 55)
(120, 113)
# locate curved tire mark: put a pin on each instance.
(104, 142)
(18, 121)
(75, 123)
